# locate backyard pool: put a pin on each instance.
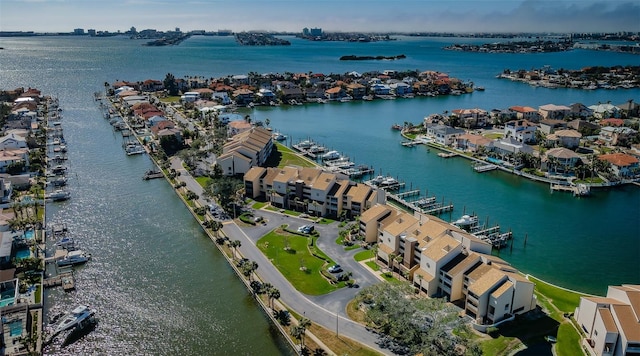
(23, 253)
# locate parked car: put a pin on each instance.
(303, 215)
(335, 269)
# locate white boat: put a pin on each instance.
(331, 155)
(66, 243)
(74, 258)
(388, 181)
(279, 137)
(74, 318)
(134, 149)
(58, 195)
(466, 220)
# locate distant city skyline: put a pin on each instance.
(460, 16)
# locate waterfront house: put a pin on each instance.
(400, 88)
(613, 136)
(155, 120)
(291, 93)
(160, 125)
(471, 118)
(509, 146)
(498, 116)
(152, 85)
(583, 126)
(10, 157)
(605, 111)
(472, 143)
(559, 160)
(315, 93)
(356, 90)
(521, 130)
(622, 164)
(611, 122)
(243, 97)
(380, 89)
(549, 126)
(580, 110)
(12, 141)
(265, 96)
(526, 113)
(335, 93)
(552, 111)
(444, 135)
(245, 150)
(564, 138)
(611, 324)
(221, 97)
(630, 109)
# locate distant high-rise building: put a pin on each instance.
(91, 32)
(78, 31)
(305, 31)
(316, 32)
(177, 29)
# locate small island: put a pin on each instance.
(368, 58)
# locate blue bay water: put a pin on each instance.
(150, 255)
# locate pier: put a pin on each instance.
(490, 234)
(428, 205)
(577, 190)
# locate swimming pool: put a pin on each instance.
(15, 328)
(23, 253)
(494, 160)
(29, 234)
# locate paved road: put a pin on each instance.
(326, 310)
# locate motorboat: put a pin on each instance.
(331, 155)
(76, 317)
(152, 174)
(134, 149)
(74, 258)
(279, 137)
(58, 195)
(66, 243)
(58, 182)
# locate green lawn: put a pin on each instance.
(494, 136)
(363, 255)
(374, 266)
(170, 99)
(565, 301)
(283, 156)
(258, 205)
(297, 264)
(203, 181)
(568, 341)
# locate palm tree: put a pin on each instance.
(392, 257)
(304, 323)
(399, 260)
(273, 293)
(235, 244)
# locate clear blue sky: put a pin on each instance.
(330, 15)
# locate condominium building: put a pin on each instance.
(247, 149)
(442, 260)
(311, 190)
(611, 324)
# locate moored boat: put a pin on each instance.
(77, 316)
(74, 258)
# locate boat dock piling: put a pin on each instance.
(427, 205)
(576, 190)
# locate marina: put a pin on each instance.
(152, 229)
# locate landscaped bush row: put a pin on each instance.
(248, 219)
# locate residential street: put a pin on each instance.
(327, 310)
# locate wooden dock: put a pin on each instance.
(576, 190)
(65, 280)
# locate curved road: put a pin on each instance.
(326, 310)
